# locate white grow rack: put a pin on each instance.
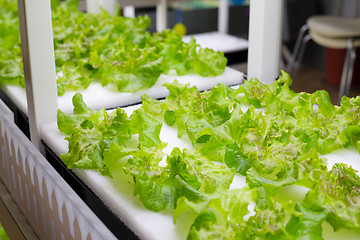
(49, 204)
(51, 207)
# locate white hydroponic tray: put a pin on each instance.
(97, 97)
(117, 193)
(219, 41)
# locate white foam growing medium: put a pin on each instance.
(97, 97)
(117, 193)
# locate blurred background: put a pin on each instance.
(320, 68)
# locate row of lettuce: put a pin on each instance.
(281, 145)
(113, 50)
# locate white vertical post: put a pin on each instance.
(94, 6)
(110, 6)
(265, 39)
(223, 16)
(129, 11)
(91, 5)
(161, 16)
(39, 64)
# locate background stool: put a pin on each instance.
(332, 32)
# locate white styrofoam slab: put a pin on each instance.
(117, 193)
(218, 41)
(97, 97)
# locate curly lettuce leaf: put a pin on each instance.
(200, 116)
(68, 122)
(219, 215)
(226, 217)
(160, 187)
(337, 193)
(211, 225)
(92, 135)
(146, 127)
(186, 174)
(235, 158)
(288, 221)
(210, 177)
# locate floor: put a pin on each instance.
(310, 79)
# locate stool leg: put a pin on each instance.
(305, 40)
(347, 73)
(297, 47)
(351, 71)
